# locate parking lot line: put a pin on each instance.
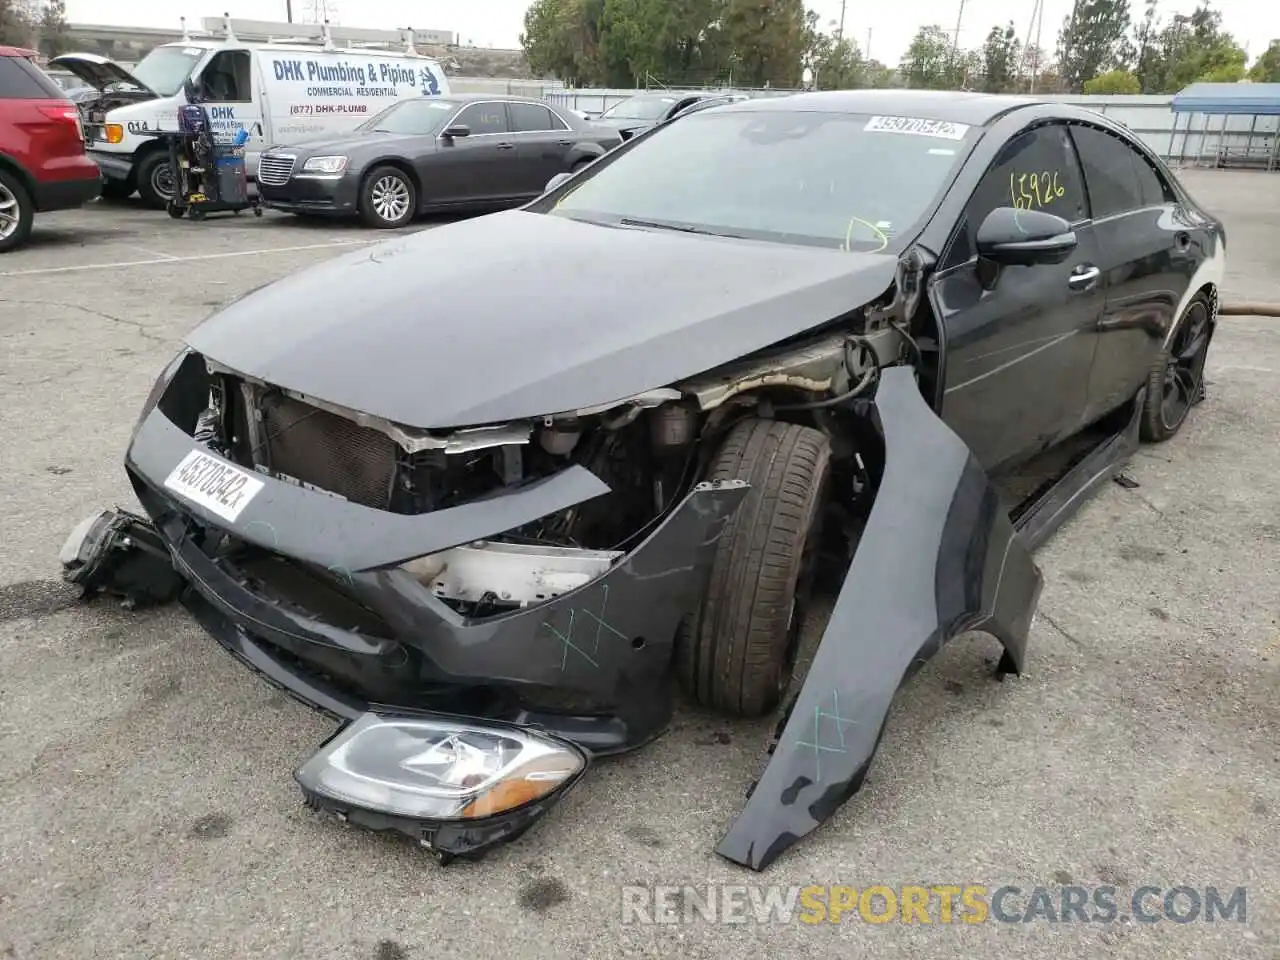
(77, 268)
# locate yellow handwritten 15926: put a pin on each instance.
(1030, 191)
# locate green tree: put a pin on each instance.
(1093, 40)
(53, 27)
(1267, 69)
(17, 22)
(928, 63)
(1196, 48)
(838, 65)
(1147, 62)
(767, 39)
(1114, 82)
(1000, 60)
(562, 38)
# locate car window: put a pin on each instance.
(532, 118)
(1036, 170)
(842, 181)
(483, 118)
(22, 80)
(411, 118)
(1119, 179)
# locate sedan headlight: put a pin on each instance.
(325, 165)
(438, 769)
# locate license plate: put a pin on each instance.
(214, 484)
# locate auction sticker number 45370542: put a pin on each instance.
(918, 126)
(214, 484)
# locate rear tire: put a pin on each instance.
(17, 212)
(1177, 376)
(387, 199)
(735, 652)
(155, 180)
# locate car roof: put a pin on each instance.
(481, 97)
(18, 52)
(974, 109)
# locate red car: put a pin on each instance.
(43, 165)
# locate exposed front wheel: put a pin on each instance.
(387, 199)
(1176, 379)
(155, 180)
(735, 653)
(17, 213)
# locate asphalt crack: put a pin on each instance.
(1062, 630)
(138, 328)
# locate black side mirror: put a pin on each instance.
(555, 181)
(191, 91)
(457, 130)
(1025, 238)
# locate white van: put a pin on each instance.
(279, 92)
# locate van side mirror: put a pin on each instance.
(555, 181)
(456, 130)
(191, 90)
(1013, 237)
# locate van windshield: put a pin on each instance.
(165, 68)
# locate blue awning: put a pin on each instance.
(1240, 99)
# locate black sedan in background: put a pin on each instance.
(436, 153)
(637, 114)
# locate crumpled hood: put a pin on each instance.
(519, 314)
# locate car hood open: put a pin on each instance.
(98, 71)
(519, 314)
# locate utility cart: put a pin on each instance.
(208, 170)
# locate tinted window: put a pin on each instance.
(1036, 170)
(411, 118)
(1152, 186)
(1109, 171)
(484, 118)
(644, 107)
(22, 80)
(532, 117)
(835, 180)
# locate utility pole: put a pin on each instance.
(866, 54)
(1065, 66)
(955, 41)
(288, 10)
(840, 33)
(1028, 57)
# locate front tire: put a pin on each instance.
(387, 199)
(155, 180)
(1176, 379)
(17, 212)
(735, 653)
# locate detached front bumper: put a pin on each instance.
(308, 591)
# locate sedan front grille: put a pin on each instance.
(275, 169)
(326, 451)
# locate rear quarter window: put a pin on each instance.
(21, 79)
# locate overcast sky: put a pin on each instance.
(497, 23)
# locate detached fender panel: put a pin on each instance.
(938, 557)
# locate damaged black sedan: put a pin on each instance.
(487, 493)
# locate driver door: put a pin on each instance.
(229, 89)
(1019, 353)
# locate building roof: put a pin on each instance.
(1241, 99)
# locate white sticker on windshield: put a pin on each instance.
(918, 126)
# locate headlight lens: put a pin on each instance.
(161, 385)
(436, 769)
(325, 165)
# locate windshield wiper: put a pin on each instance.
(678, 227)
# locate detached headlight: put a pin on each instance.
(429, 769)
(328, 165)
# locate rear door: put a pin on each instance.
(481, 167)
(544, 144)
(1018, 353)
(1142, 250)
(40, 128)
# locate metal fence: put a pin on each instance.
(1186, 139)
